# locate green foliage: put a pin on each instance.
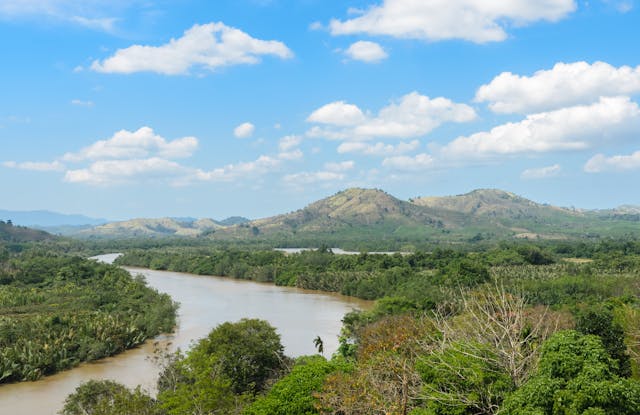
(463, 380)
(58, 311)
(224, 370)
(294, 393)
(107, 397)
(599, 320)
(576, 375)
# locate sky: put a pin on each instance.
(150, 108)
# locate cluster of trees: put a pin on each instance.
(57, 311)
(418, 275)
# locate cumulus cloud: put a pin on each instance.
(141, 143)
(601, 163)
(436, 20)
(141, 156)
(111, 172)
(365, 51)
(412, 116)
(332, 172)
(209, 46)
(541, 172)
(313, 177)
(571, 128)
(244, 130)
(340, 166)
(230, 172)
(35, 165)
(418, 162)
(378, 149)
(289, 142)
(337, 113)
(564, 85)
(296, 154)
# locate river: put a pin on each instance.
(298, 315)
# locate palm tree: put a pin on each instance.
(319, 344)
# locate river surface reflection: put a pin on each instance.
(298, 315)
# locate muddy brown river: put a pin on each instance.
(298, 315)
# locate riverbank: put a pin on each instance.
(299, 316)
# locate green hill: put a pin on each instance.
(372, 216)
(18, 234)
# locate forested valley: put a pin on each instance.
(517, 328)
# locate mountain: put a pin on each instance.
(14, 233)
(45, 218)
(233, 220)
(492, 203)
(372, 215)
(348, 212)
(151, 228)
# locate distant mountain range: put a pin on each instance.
(370, 214)
(45, 218)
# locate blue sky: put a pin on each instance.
(147, 108)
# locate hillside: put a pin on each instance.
(13, 233)
(162, 227)
(493, 203)
(372, 215)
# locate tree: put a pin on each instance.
(599, 320)
(502, 321)
(107, 397)
(319, 344)
(224, 370)
(294, 393)
(576, 375)
(463, 379)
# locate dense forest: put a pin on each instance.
(514, 329)
(57, 311)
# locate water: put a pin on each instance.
(298, 315)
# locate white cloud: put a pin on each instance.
(92, 14)
(434, 20)
(564, 85)
(316, 26)
(209, 46)
(244, 130)
(230, 172)
(332, 172)
(365, 51)
(337, 113)
(106, 24)
(601, 163)
(289, 142)
(412, 116)
(418, 162)
(313, 177)
(111, 172)
(572, 128)
(340, 166)
(136, 144)
(35, 165)
(296, 154)
(81, 103)
(541, 172)
(378, 149)
(623, 6)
